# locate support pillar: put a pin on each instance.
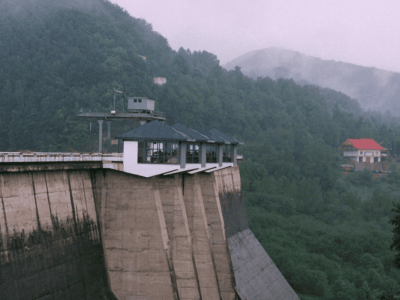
(100, 135)
(108, 136)
(120, 146)
(234, 155)
(203, 157)
(220, 154)
(182, 149)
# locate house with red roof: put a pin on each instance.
(363, 150)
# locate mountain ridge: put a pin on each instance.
(374, 88)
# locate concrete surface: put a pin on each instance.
(75, 230)
(50, 245)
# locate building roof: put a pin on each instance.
(190, 132)
(154, 130)
(365, 144)
(225, 136)
(212, 137)
(157, 130)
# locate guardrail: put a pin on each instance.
(15, 157)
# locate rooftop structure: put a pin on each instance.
(156, 148)
(141, 104)
(138, 108)
(363, 150)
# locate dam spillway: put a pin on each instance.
(77, 226)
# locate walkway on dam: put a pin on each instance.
(29, 159)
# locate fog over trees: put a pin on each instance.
(374, 89)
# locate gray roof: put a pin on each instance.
(157, 130)
(210, 135)
(191, 133)
(225, 136)
(154, 130)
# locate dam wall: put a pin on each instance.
(50, 244)
(93, 233)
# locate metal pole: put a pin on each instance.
(108, 136)
(114, 99)
(100, 134)
(234, 148)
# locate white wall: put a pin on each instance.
(350, 153)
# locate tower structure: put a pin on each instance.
(141, 109)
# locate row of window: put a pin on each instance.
(168, 153)
(158, 152)
(376, 152)
(375, 159)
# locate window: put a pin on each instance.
(211, 153)
(360, 159)
(193, 153)
(227, 153)
(361, 153)
(135, 100)
(158, 152)
(140, 100)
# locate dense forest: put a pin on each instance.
(329, 234)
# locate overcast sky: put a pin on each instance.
(362, 32)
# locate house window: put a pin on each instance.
(158, 152)
(135, 100)
(140, 100)
(211, 153)
(361, 153)
(193, 153)
(227, 153)
(360, 159)
(375, 159)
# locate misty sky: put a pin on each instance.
(362, 32)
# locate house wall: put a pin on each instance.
(350, 153)
(365, 155)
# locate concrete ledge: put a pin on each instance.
(48, 166)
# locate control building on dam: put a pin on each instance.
(165, 219)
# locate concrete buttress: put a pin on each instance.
(201, 239)
(133, 234)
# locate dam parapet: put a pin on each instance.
(37, 161)
(35, 157)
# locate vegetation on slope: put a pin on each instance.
(328, 234)
(376, 89)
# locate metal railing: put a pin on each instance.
(19, 157)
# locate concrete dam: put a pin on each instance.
(84, 227)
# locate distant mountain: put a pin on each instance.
(375, 89)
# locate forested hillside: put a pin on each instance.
(328, 234)
(375, 89)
